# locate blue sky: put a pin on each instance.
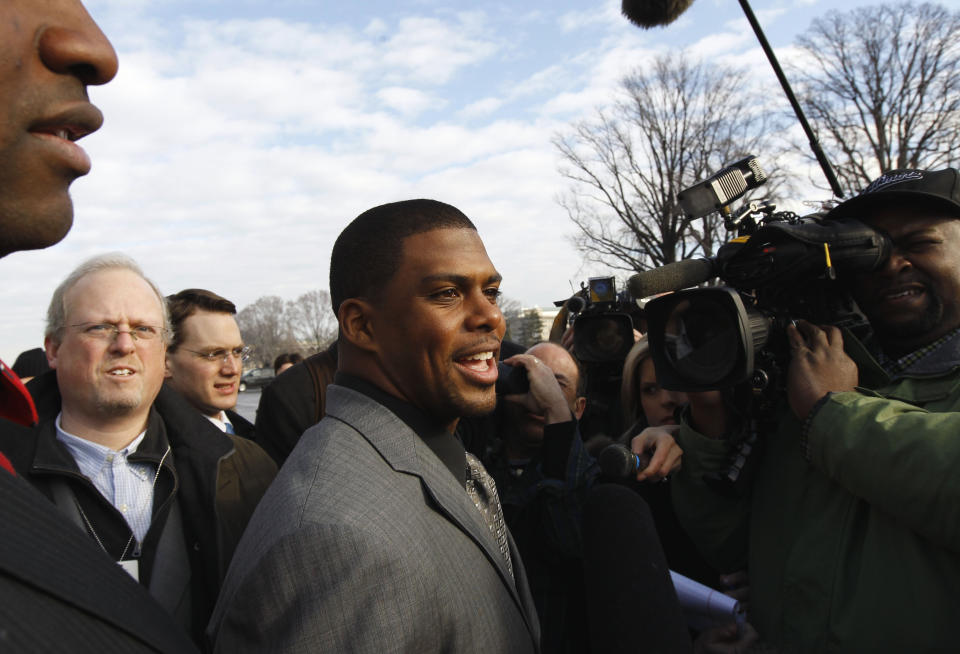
(241, 136)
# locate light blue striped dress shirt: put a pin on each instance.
(126, 485)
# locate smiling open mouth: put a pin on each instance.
(896, 295)
(479, 362)
(479, 368)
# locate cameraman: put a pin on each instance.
(851, 528)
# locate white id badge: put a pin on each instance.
(132, 568)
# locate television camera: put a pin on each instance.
(603, 322)
(781, 267)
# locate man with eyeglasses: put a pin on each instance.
(159, 489)
(57, 590)
(205, 357)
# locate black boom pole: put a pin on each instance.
(814, 143)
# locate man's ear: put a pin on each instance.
(578, 407)
(52, 348)
(356, 325)
(167, 373)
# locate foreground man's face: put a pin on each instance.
(438, 327)
(50, 51)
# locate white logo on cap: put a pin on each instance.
(886, 180)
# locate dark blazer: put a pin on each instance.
(288, 407)
(219, 480)
(241, 425)
(59, 592)
(366, 543)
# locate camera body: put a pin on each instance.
(604, 321)
(732, 338)
(787, 268)
(511, 380)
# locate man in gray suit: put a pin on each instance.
(380, 534)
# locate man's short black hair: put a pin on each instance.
(187, 302)
(367, 252)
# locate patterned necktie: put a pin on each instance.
(228, 428)
(483, 491)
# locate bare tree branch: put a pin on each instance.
(312, 321)
(884, 89)
(266, 329)
(677, 123)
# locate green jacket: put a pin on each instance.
(858, 548)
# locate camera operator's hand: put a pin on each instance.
(659, 444)
(818, 365)
(545, 396)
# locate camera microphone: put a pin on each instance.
(618, 462)
(672, 277)
(717, 192)
(653, 13)
(576, 304)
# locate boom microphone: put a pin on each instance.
(672, 277)
(652, 13)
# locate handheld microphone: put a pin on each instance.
(618, 462)
(652, 13)
(672, 277)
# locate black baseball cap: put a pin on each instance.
(931, 188)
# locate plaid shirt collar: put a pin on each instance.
(919, 361)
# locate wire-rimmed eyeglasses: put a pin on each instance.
(106, 331)
(241, 353)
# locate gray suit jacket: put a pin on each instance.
(366, 543)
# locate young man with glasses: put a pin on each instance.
(205, 357)
(132, 464)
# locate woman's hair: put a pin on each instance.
(630, 383)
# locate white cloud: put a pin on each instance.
(241, 137)
(432, 51)
(541, 81)
(606, 15)
(720, 44)
(408, 102)
(481, 108)
(603, 70)
(376, 27)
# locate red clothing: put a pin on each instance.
(16, 404)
